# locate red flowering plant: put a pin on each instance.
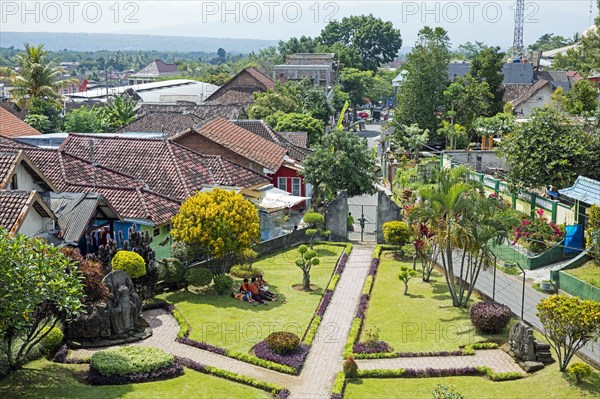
(536, 234)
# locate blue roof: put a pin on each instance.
(584, 190)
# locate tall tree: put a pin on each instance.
(486, 66)
(376, 41)
(357, 84)
(547, 150)
(297, 122)
(412, 138)
(38, 76)
(420, 98)
(311, 99)
(549, 41)
(341, 161)
(303, 44)
(460, 218)
(269, 102)
(466, 100)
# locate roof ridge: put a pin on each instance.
(143, 202)
(103, 167)
(177, 169)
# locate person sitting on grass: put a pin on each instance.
(264, 289)
(254, 288)
(244, 294)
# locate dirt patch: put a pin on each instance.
(298, 287)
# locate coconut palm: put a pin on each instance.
(37, 77)
(464, 225)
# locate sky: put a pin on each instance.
(491, 22)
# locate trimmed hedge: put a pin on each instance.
(333, 283)
(130, 262)
(244, 272)
(198, 276)
(171, 371)
(130, 360)
(294, 359)
(338, 386)
(311, 332)
(368, 285)
(511, 375)
(283, 342)
(352, 336)
(393, 355)
(223, 283)
(51, 342)
(265, 386)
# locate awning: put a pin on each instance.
(275, 199)
(585, 190)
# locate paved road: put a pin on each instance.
(372, 133)
(509, 291)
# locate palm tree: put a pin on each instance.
(38, 77)
(464, 224)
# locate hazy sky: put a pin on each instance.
(488, 21)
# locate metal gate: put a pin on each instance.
(363, 210)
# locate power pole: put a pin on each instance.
(518, 47)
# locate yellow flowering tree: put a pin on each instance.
(220, 223)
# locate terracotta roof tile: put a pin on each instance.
(12, 206)
(299, 139)
(165, 167)
(540, 84)
(265, 131)
(204, 111)
(169, 122)
(241, 141)
(8, 162)
(11, 126)
(261, 83)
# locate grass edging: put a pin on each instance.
(278, 390)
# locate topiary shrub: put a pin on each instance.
(130, 360)
(130, 262)
(396, 233)
(446, 392)
(223, 283)
(283, 342)
(198, 276)
(579, 371)
(51, 342)
(490, 318)
(245, 272)
(350, 367)
(171, 270)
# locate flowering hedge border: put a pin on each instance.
(280, 391)
(311, 331)
(432, 372)
(262, 350)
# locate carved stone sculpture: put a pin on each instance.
(124, 305)
(533, 354)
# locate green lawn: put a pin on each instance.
(422, 321)
(548, 383)
(588, 272)
(232, 324)
(42, 379)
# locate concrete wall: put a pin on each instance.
(283, 242)
(25, 180)
(34, 223)
(480, 161)
(539, 99)
(576, 287)
(336, 218)
(387, 210)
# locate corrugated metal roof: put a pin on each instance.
(584, 190)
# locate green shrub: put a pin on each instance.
(352, 336)
(223, 283)
(130, 262)
(381, 373)
(446, 392)
(579, 371)
(130, 360)
(508, 376)
(51, 342)
(396, 233)
(312, 330)
(184, 327)
(350, 367)
(339, 383)
(483, 345)
(333, 283)
(245, 272)
(198, 276)
(267, 364)
(170, 270)
(368, 284)
(265, 386)
(348, 249)
(283, 342)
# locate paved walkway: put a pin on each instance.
(325, 358)
(496, 359)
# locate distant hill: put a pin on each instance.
(56, 41)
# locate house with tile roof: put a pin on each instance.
(536, 96)
(204, 111)
(18, 172)
(151, 72)
(255, 145)
(11, 126)
(240, 89)
(167, 122)
(25, 212)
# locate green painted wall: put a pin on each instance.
(510, 254)
(577, 287)
(160, 251)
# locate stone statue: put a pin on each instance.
(124, 305)
(532, 354)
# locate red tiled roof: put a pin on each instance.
(265, 131)
(165, 167)
(8, 162)
(14, 206)
(261, 83)
(11, 126)
(241, 141)
(299, 139)
(11, 157)
(204, 111)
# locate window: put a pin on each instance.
(14, 185)
(296, 186)
(156, 232)
(282, 183)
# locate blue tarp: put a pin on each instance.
(574, 239)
